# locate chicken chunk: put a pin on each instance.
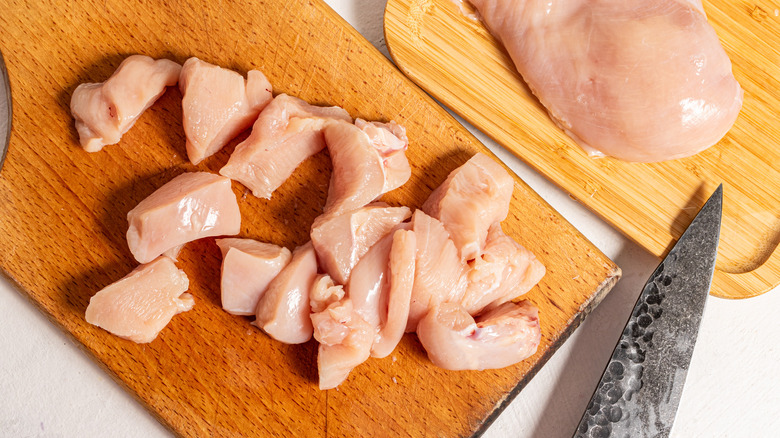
(640, 81)
(287, 132)
(217, 104)
(341, 240)
(105, 111)
(472, 198)
(498, 338)
(142, 303)
(248, 267)
(283, 311)
(189, 207)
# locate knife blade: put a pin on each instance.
(641, 386)
(5, 110)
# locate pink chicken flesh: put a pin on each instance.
(284, 309)
(248, 267)
(217, 104)
(341, 240)
(503, 272)
(640, 81)
(287, 132)
(189, 207)
(142, 303)
(498, 338)
(472, 198)
(105, 111)
(368, 160)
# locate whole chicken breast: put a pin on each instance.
(640, 81)
(105, 111)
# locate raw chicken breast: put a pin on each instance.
(640, 81)
(368, 160)
(345, 342)
(248, 267)
(105, 111)
(287, 132)
(381, 288)
(142, 303)
(217, 104)
(439, 274)
(501, 337)
(504, 271)
(341, 240)
(189, 207)
(471, 199)
(283, 310)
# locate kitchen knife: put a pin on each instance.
(641, 387)
(5, 110)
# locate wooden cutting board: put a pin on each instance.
(442, 47)
(62, 219)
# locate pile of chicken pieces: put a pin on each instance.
(370, 272)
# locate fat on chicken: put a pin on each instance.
(503, 272)
(498, 338)
(472, 198)
(286, 133)
(140, 305)
(248, 267)
(189, 207)
(105, 111)
(217, 104)
(342, 239)
(284, 310)
(640, 81)
(368, 159)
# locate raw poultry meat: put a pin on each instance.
(640, 81)
(368, 160)
(341, 240)
(472, 198)
(189, 207)
(142, 303)
(283, 310)
(248, 267)
(104, 111)
(498, 338)
(217, 104)
(439, 272)
(504, 271)
(287, 132)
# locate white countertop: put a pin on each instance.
(49, 388)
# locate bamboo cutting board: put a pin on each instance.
(62, 219)
(442, 47)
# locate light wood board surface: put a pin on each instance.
(62, 219)
(442, 47)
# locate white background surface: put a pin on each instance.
(49, 388)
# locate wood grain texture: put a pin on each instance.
(63, 219)
(442, 47)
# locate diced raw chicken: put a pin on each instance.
(341, 240)
(287, 132)
(345, 342)
(106, 110)
(368, 160)
(439, 274)
(217, 104)
(142, 303)
(498, 338)
(471, 199)
(640, 81)
(504, 271)
(191, 206)
(248, 267)
(381, 288)
(284, 309)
